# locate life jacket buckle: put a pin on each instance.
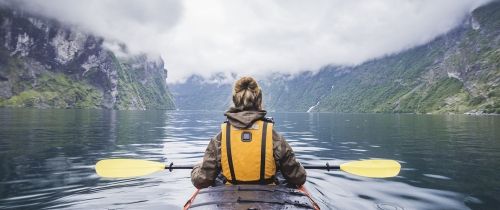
(246, 137)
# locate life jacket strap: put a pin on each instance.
(263, 154)
(229, 155)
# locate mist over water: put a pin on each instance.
(47, 158)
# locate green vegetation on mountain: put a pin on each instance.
(456, 73)
(48, 89)
(136, 89)
(56, 90)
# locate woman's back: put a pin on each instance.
(254, 151)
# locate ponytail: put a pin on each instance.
(247, 94)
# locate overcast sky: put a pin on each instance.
(255, 37)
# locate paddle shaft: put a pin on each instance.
(327, 166)
(172, 167)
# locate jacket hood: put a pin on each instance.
(244, 119)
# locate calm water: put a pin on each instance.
(47, 158)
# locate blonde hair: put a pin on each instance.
(247, 94)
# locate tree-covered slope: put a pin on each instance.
(458, 72)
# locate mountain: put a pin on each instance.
(197, 93)
(46, 64)
(458, 72)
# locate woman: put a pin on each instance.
(247, 150)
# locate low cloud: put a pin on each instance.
(261, 36)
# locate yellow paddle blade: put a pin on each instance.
(122, 168)
(372, 168)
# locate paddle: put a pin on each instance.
(123, 168)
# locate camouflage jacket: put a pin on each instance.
(204, 174)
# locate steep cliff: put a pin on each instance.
(45, 64)
(458, 72)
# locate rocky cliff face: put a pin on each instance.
(458, 72)
(46, 64)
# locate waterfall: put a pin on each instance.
(312, 107)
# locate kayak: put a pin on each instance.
(251, 197)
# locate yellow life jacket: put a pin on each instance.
(247, 154)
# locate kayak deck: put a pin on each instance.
(251, 197)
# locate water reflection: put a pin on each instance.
(47, 158)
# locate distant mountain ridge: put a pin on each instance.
(458, 72)
(46, 64)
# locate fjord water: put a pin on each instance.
(47, 158)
